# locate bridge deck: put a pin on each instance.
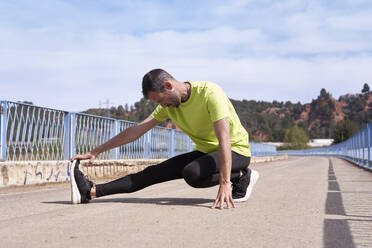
(299, 202)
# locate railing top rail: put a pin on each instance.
(97, 116)
(34, 106)
(159, 127)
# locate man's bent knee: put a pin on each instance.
(191, 177)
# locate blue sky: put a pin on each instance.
(71, 55)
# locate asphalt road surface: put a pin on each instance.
(299, 202)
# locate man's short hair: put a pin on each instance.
(153, 81)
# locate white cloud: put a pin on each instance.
(356, 22)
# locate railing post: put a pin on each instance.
(364, 145)
(355, 149)
(350, 148)
(355, 153)
(188, 144)
(72, 136)
(365, 148)
(171, 143)
(369, 145)
(69, 147)
(360, 154)
(3, 128)
(116, 131)
(66, 136)
(147, 145)
(360, 147)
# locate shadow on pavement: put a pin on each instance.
(336, 231)
(157, 201)
(337, 234)
(161, 201)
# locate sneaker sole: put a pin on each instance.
(75, 194)
(254, 177)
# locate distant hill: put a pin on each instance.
(268, 121)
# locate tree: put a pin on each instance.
(324, 93)
(365, 88)
(344, 130)
(296, 138)
(120, 112)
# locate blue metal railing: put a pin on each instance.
(29, 132)
(262, 150)
(357, 149)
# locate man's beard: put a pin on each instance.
(175, 102)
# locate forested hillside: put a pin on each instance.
(324, 117)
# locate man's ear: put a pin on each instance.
(168, 85)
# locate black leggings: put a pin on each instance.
(200, 170)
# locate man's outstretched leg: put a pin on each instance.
(83, 190)
(200, 170)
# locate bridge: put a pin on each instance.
(316, 198)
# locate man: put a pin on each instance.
(206, 115)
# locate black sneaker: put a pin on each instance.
(242, 187)
(80, 185)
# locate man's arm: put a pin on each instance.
(128, 135)
(222, 130)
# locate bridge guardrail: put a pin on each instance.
(262, 150)
(357, 149)
(29, 132)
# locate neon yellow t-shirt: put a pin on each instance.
(195, 117)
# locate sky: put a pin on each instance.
(74, 55)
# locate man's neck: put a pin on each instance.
(187, 92)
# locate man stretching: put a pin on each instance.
(202, 111)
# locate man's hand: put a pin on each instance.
(88, 155)
(224, 195)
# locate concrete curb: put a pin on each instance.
(20, 173)
(255, 160)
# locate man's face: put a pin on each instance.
(167, 98)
